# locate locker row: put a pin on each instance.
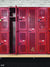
(24, 30)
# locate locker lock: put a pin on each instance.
(39, 20)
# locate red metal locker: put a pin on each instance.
(32, 19)
(42, 42)
(22, 42)
(22, 25)
(41, 13)
(42, 25)
(22, 18)
(4, 42)
(48, 31)
(4, 30)
(4, 19)
(42, 19)
(32, 30)
(49, 42)
(32, 42)
(22, 11)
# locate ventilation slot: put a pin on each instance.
(22, 25)
(42, 25)
(42, 48)
(32, 41)
(42, 36)
(32, 18)
(22, 48)
(4, 36)
(4, 48)
(22, 36)
(4, 12)
(4, 24)
(41, 12)
(22, 12)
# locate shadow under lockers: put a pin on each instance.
(32, 30)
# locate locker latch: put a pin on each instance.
(39, 20)
(20, 19)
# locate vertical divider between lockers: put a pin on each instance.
(9, 29)
(48, 32)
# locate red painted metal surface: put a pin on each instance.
(48, 30)
(22, 42)
(42, 42)
(4, 30)
(32, 30)
(22, 18)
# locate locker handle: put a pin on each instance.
(29, 31)
(20, 19)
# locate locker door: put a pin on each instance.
(42, 42)
(42, 25)
(22, 25)
(49, 18)
(4, 19)
(48, 30)
(41, 13)
(4, 43)
(22, 42)
(42, 16)
(49, 42)
(31, 42)
(22, 18)
(22, 13)
(32, 19)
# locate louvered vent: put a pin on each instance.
(42, 12)
(22, 48)
(22, 12)
(22, 36)
(4, 48)
(42, 48)
(4, 36)
(4, 24)
(49, 17)
(42, 36)
(42, 25)
(32, 18)
(4, 12)
(32, 41)
(22, 25)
